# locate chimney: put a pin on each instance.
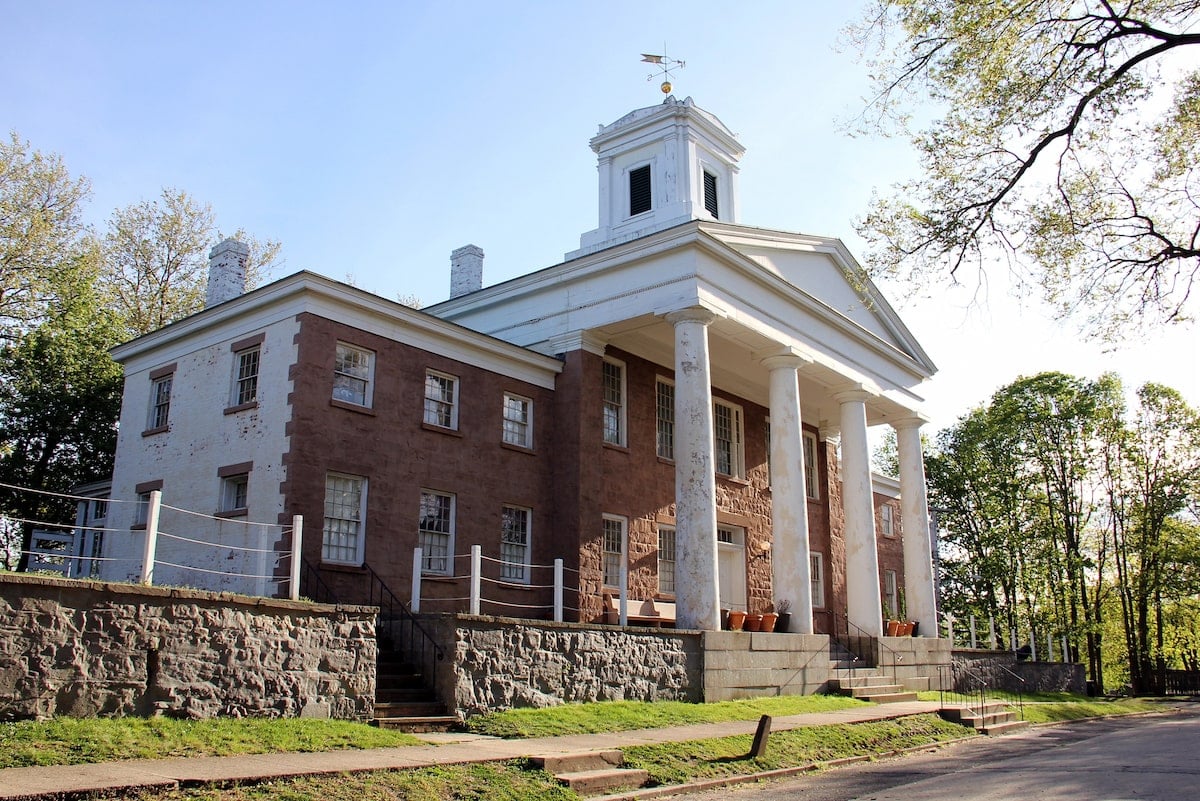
(466, 270)
(226, 272)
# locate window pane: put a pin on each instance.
(161, 411)
(810, 465)
(352, 373)
(723, 431)
(665, 411)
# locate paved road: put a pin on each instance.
(1146, 758)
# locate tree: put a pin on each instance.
(1049, 149)
(156, 259)
(40, 231)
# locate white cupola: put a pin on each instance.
(660, 166)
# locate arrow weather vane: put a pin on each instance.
(665, 67)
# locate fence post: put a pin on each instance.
(1049, 647)
(297, 559)
(1032, 646)
(558, 590)
(151, 536)
(992, 632)
(418, 558)
(1066, 654)
(476, 563)
(623, 589)
(973, 640)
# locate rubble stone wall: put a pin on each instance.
(82, 648)
(1001, 669)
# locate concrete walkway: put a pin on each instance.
(443, 749)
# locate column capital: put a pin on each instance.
(854, 392)
(784, 358)
(915, 421)
(692, 314)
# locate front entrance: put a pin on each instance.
(731, 567)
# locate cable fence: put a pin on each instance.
(493, 588)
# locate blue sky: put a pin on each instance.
(373, 138)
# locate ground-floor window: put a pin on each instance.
(614, 549)
(345, 518)
(666, 560)
(514, 544)
(435, 528)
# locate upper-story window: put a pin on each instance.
(245, 381)
(640, 194)
(352, 374)
(811, 479)
(710, 194)
(161, 382)
(664, 415)
(727, 435)
(518, 420)
(613, 377)
(887, 525)
(441, 399)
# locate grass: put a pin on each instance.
(608, 716)
(1055, 707)
(74, 741)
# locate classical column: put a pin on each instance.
(863, 604)
(697, 593)
(790, 577)
(919, 591)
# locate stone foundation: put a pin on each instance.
(739, 664)
(83, 648)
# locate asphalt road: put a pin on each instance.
(1154, 758)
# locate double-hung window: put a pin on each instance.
(891, 606)
(664, 415)
(435, 530)
(343, 534)
(613, 379)
(613, 549)
(235, 489)
(441, 400)
(727, 437)
(514, 544)
(816, 575)
(353, 371)
(245, 376)
(518, 420)
(666, 559)
(887, 525)
(811, 480)
(161, 382)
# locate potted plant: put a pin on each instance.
(784, 609)
(769, 621)
(736, 619)
(754, 622)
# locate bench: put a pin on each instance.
(650, 612)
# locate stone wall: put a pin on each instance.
(739, 664)
(914, 661)
(496, 663)
(1001, 669)
(83, 648)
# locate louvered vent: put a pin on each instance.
(639, 190)
(710, 194)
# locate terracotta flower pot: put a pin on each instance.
(736, 620)
(768, 621)
(754, 622)
(893, 628)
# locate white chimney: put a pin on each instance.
(466, 270)
(226, 272)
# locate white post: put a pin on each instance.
(864, 607)
(1032, 646)
(1049, 647)
(950, 629)
(921, 593)
(476, 567)
(1012, 639)
(558, 590)
(973, 641)
(992, 642)
(1066, 653)
(297, 544)
(418, 559)
(623, 589)
(151, 536)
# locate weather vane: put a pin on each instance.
(666, 66)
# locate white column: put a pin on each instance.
(919, 591)
(790, 573)
(697, 598)
(863, 604)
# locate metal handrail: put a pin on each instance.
(313, 586)
(978, 687)
(404, 633)
(862, 633)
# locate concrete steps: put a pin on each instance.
(990, 718)
(592, 772)
(869, 685)
(403, 702)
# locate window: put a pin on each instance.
(886, 525)
(710, 194)
(245, 376)
(767, 434)
(441, 404)
(810, 466)
(160, 403)
(816, 575)
(142, 511)
(352, 375)
(664, 404)
(436, 531)
(640, 196)
(345, 517)
(730, 535)
(99, 510)
(666, 559)
(891, 607)
(614, 549)
(514, 544)
(727, 435)
(614, 402)
(518, 420)
(235, 492)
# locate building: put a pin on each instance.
(680, 407)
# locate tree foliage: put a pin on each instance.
(1065, 142)
(41, 232)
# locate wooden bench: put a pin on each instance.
(650, 612)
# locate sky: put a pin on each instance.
(373, 138)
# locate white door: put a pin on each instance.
(731, 567)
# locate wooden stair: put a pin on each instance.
(592, 772)
(402, 701)
(990, 718)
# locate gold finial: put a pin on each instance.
(665, 67)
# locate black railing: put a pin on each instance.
(400, 632)
(958, 685)
(1180, 682)
(312, 586)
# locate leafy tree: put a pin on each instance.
(1065, 140)
(156, 257)
(40, 231)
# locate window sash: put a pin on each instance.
(613, 545)
(665, 415)
(440, 400)
(161, 405)
(435, 528)
(246, 382)
(727, 438)
(890, 595)
(666, 560)
(345, 512)
(887, 523)
(352, 375)
(817, 579)
(516, 420)
(235, 493)
(614, 403)
(810, 466)
(514, 544)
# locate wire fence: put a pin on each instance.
(483, 585)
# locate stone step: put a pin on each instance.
(595, 782)
(415, 708)
(400, 695)
(576, 761)
(888, 698)
(1008, 727)
(417, 723)
(961, 713)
